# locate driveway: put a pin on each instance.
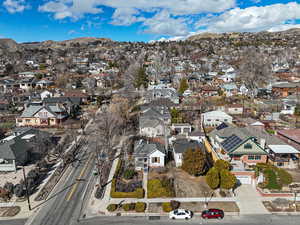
(249, 200)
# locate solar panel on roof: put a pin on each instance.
(231, 142)
(222, 126)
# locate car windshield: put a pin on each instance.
(186, 211)
(176, 211)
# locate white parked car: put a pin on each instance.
(180, 214)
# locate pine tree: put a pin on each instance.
(213, 178)
(183, 86)
(194, 161)
(228, 180)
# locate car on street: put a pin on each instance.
(180, 214)
(212, 214)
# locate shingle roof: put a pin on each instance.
(181, 145)
(14, 149)
(143, 149)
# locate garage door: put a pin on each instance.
(244, 179)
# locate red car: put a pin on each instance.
(212, 214)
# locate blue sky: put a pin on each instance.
(141, 20)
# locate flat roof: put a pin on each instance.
(283, 149)
(28, 136)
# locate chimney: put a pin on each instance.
(263, 143)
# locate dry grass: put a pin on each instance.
(9, 211)
(271, 207)
(185, 185)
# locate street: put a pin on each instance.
(65, 204)
(237, 220)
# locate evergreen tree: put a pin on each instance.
(183, 85)
(194, 162)
(213, 178)
(141, 78)
(228, 180)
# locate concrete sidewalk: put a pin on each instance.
(249, 201)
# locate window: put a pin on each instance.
(248, 146)
(257, 157)
(225, 120)
(250, 157)
(27, 120)
(20, 120)
(217, 120)
(208, 119)
(254, 157)
(155, 160)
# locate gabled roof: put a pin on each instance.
(144, 149)
(181, 145)
(231, 142)
(13, 149)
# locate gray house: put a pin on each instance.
(164, 93)
(13, 153)
(148, 155)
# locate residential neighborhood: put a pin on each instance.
(101, 128)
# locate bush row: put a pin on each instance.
(138, 207)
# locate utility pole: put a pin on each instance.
(26, 186)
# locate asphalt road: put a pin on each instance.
(65, 204)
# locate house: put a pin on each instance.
(148, 155)
(27, 84)
(180, 146)
(42, 116)
(77, 94)
(46, 94)
(235, 109)
(152, 127)
(290, 136)
(215, 118)
(181, 128)
(13, 153)
(230, 89)
(44, 84)
(285, 89)
(285, 156)
(168, 93)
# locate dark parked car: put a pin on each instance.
(212, 214)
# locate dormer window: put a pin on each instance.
(248, 146)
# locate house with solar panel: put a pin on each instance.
(244, 147)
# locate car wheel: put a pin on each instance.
(173, 218)
(186, 218)
(219, 218)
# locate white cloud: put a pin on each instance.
(126, 16)
(252, 18)
(74, 9)
(123, 8)
(283, 27)
(14, 6)
(70, 32)
(163, 24)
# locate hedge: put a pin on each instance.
(140, 207)
(111, 207)
(166, 206)
(128, 206)
(138, 193)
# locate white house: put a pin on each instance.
(180, 146)
(215, 118)
(151, 127)
(148, 155)
(235, 109)
(46, 94)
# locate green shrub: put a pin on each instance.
(111, 207)
(156, 189)
(128, 206)
(129, 174)
(140, 207)
(271, 180)
(138, 193)
(221, 164)
(284, 176)
(166, 206)
(213, 178)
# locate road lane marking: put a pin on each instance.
(70, 194)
